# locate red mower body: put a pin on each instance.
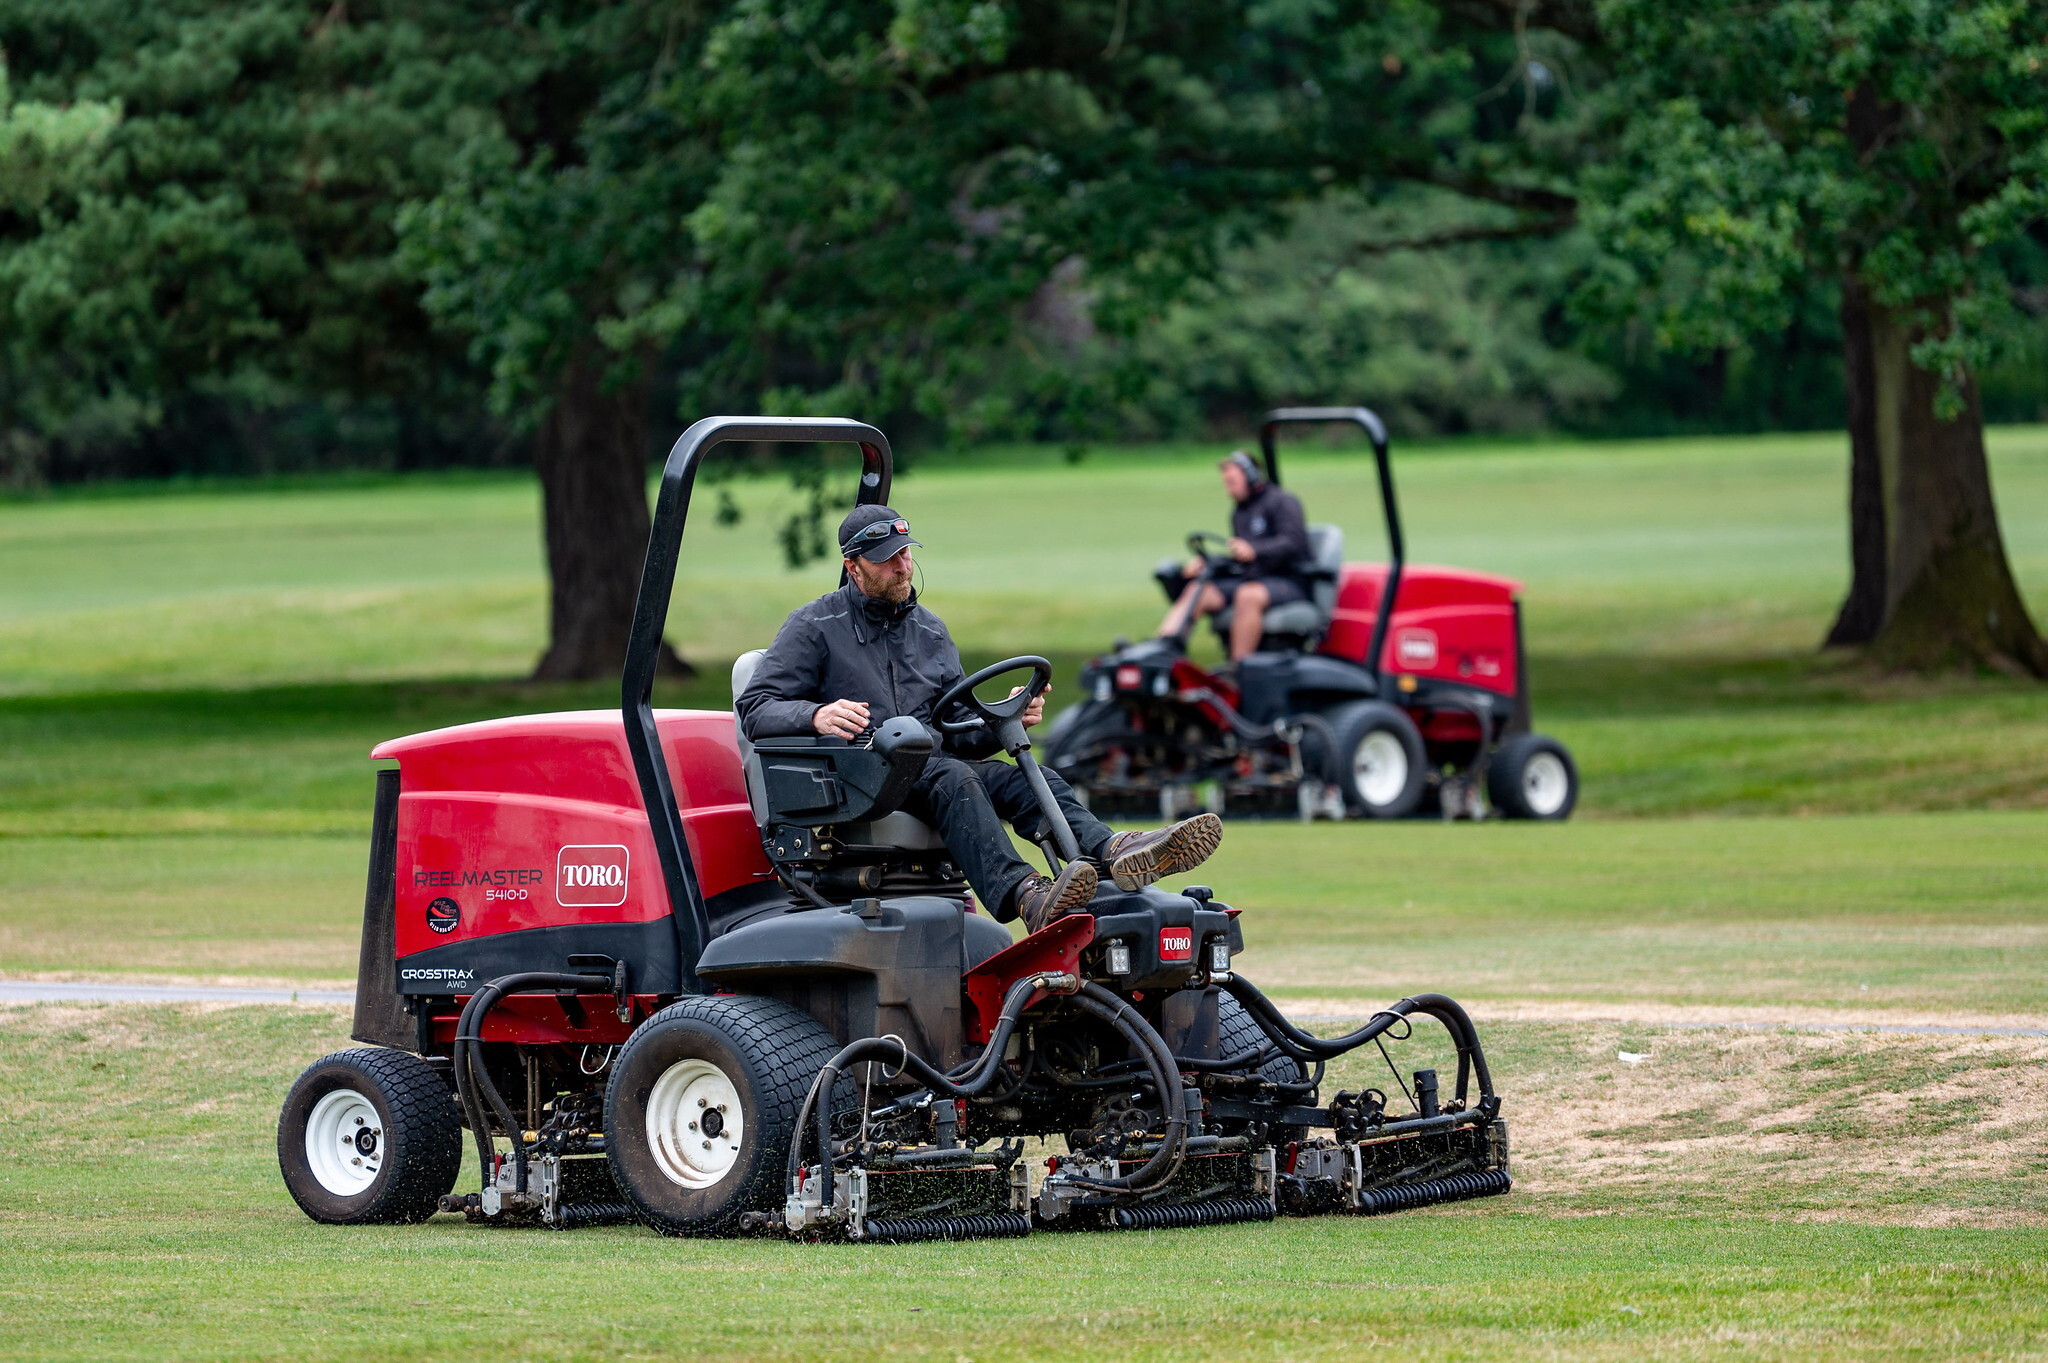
(535, 822)
(1450, 624)
(528, 835)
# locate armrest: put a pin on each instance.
(815, 780)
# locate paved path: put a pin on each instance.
(93, 991)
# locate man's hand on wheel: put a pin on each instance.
(1242, 550)
(841, 718)
(1035, 711)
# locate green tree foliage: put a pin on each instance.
(858, 206)
(233, 230)
(1459, 338)
(45, 150)
(1895, 146)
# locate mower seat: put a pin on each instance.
(897, 830)
(1301, 621)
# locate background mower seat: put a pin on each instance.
(1302, 621)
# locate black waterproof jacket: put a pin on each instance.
(899, 659)
(1270, 520)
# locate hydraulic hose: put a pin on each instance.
(1301, 1045)
(473, 1086)
(974, 1079)
(1166, 1160)
(966, 1081)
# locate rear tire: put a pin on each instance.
(369, 1137)
(1236, 1033)
(748, 1060)
(1377, 759)
(1532, 777)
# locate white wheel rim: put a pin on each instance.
(1379, 768)
(1545, 783)
(345, 1142)
(694, 1125)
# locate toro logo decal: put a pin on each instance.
(591, 877)
(1416, 648)
(1176, 944)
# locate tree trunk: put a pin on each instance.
(591, 452)
(1950, 599)
(1862, 612)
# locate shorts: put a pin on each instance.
(1283, 590)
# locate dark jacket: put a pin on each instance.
(844, 646)
(1270, 520)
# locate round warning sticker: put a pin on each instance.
(444, 914)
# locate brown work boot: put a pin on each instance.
(1137, 859)
(1040, 899)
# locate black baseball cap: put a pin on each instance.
(875, 533)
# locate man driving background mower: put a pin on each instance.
(867, 653)
(1269, 553)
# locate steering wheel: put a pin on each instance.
(998, 714)
(1200, 540)
(1006, 718)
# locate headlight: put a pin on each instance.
(1118, 958)
(1219, 955)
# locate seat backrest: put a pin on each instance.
(1326, 548)
(742, 674)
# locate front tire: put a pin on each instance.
(1532, 777)
(369, 1137)
(702, 1106)
(1377, 759)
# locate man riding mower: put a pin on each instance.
(646, 967)
(869, 652)
(1267, 562)
(1386, 690)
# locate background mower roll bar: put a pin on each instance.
(650, 619)
(1376, 431)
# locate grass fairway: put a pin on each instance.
(1612, 1246)
(1837, 916)
(190, 682)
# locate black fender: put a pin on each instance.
(1319, 681)
(873, 968)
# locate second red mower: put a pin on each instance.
(1345, 710)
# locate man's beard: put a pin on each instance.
(895, 592)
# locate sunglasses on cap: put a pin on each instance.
(873, 534)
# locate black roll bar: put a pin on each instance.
(650, 619)
(1376, 431)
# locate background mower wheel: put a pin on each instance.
(1532, 777)
(702, 1105)
(1377, 759)
(369, 1137)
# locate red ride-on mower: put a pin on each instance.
(1345, 709)
(659, 973)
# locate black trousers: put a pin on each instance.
(968, 803)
